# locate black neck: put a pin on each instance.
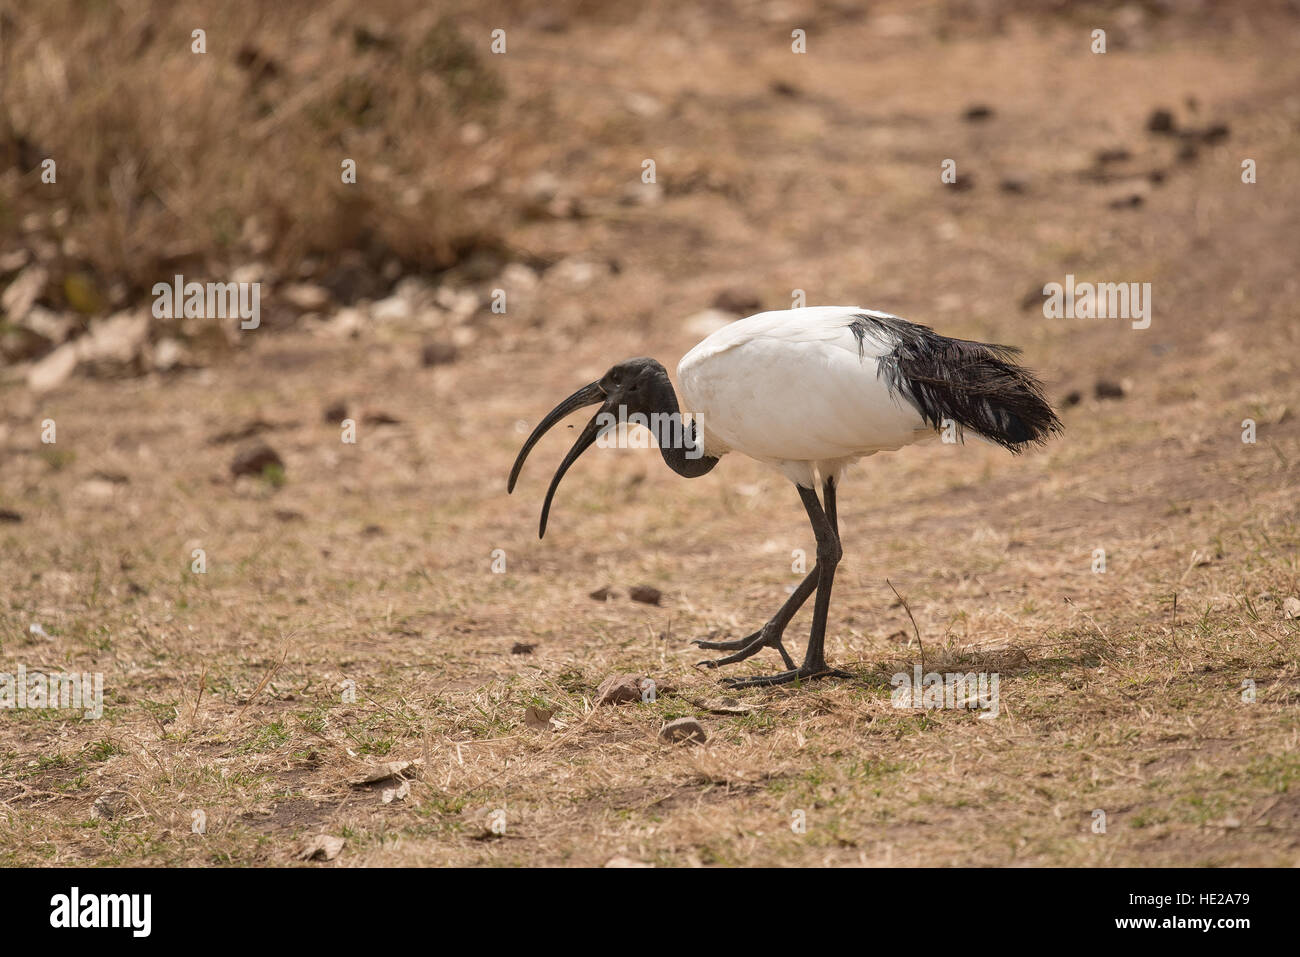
(679, 442)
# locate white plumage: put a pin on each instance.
(791, 389)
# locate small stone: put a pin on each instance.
(646, 594)
(539, 719)
(1105, 389)
(522, 648)
(517, 277)
(618, 689)
(49, 324)
(255, 459)
(13, 261)
(977, 113)
(742, 302)
(603, 594)
(116, 343)
(22, 293)
(324, 847)
(683, 729)
(1127, 201)
(305, 296)
(1160, 121)
(1291, 608)
(438, 353)
(392, 309)
(168, 354)
(51, 371)
(336, 412)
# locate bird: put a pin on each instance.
(808, 392)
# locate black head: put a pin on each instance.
(638, 385)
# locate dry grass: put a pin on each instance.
(372, 563)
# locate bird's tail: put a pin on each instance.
(975, 384)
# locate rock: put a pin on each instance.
(18, 344)
(336, 412)
(1072, 398)
(1160, 121)
(683, 729)
(618, 689)
(51, 371)
(324, 847)
(1105, 389)
(461, 303)
(250, 272)
(522, 648)
(545, 195)
(708, 321)
(305, 296)
(742, 302)
(603, 594)
(646, 594)
(385, 771)
(392, 309)
(9, 516)
(517, 277)
(977, 113)
(347, 323)
(116, 344)
(21, 294)
(438, 353)
(49, 324)
(254, 459)
(399, 793)
(541, 188)
(169, 354)
(539, 719)
(13, 261)
(1291, 608)
(577, 271)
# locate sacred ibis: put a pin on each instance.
(808, 392)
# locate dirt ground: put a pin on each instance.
(1159, 696)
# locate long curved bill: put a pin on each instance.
(587, 395)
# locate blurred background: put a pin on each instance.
(134, 447)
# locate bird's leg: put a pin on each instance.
(824, 523)
(767, 636)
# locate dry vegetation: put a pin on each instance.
(371, 563)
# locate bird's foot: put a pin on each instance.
(804, 673)
(765, 637)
